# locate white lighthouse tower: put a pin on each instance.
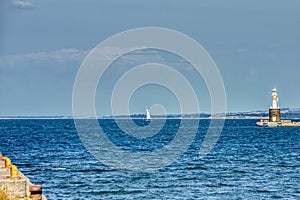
(274, 111)
(274, 99)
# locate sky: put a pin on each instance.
(255, 45)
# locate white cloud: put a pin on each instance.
(74, 57)
(21, 4)
(139, 55)
(61, 56)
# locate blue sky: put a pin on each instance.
(255, 44)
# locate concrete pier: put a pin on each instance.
(12, 187)
(281, 123)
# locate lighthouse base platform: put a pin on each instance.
(282, 123)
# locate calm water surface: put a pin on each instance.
(248, 162)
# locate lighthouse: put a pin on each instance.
(274, 111)
(274, 115)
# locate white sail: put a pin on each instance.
(148, 116)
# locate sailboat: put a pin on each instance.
(148, 116)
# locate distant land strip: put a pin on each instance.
(286, 113)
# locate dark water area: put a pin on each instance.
(247, 162)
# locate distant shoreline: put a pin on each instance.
(286, 113)
(117, 117)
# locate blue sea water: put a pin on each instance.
(248, 162)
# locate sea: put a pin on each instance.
(246, 162)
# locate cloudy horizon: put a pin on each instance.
(254, 44)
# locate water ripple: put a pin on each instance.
(247, 163)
